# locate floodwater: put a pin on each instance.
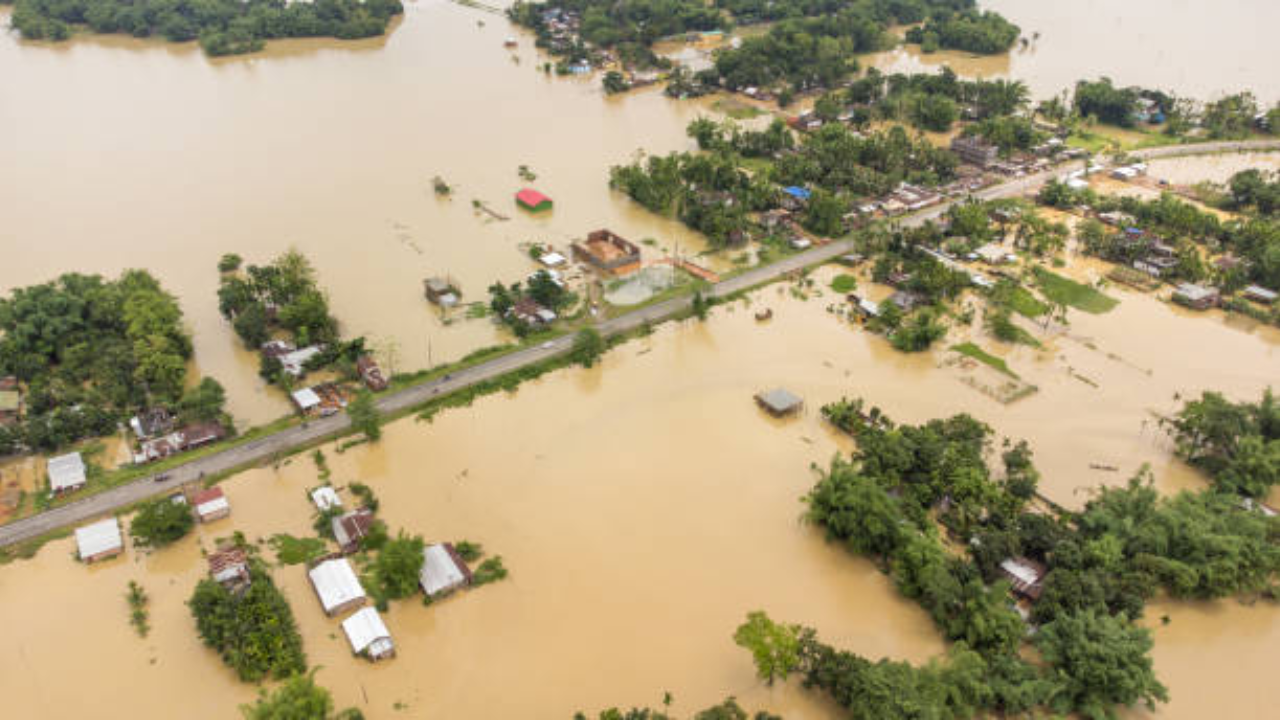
(643, 508)
(1192, 48)
(122, 153)
(1211, 168)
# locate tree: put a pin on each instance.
(1099, 661)
(253, 632)
(364, 415)
(161, 522)
(398, 566)
(204, 402)
(774, 647)
(588, 347)
(824, 215)
(614, 82)
(229, 263)
(298, 698)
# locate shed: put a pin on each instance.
(100, 540)
(368, 634)
(797, 192)
(1257, 293)
(351, 528)
(443, 571)
(532, 200)
(1025, 576)
(306, 400)
(337, 586)
(325, 497)
(211, 504)
(293, 362)
(779, 402)
(66, 473)
(1195, 296)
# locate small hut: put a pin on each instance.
(229, 567)
(532, 200)
(211, 505)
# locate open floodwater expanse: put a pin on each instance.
(644, 506)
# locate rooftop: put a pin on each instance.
(336, 584)
(442, 570)
(366, 631)
(97, 538)
(326, 497)
(779, 401)
(66, 471)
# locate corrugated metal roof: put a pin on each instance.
(364, 629)
(439, 572)
(306, 398)
(531, 197)
(66, 471)
(780, 400)
(336, 583)
(97, 538)
(213, 507)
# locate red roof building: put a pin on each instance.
(532, 200)
(211, 504)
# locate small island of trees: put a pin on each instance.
(223, 27)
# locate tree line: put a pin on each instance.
(223, 27)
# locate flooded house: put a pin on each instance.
(1259, 294)
(99, 540)
(795, 197)
(1026, 576)
(532, 200)
(66, 473)
(1197, 297)
(370, 373)
(441, 291)
(779, 402)
(211, 504)
(608, 252)
(368, 635)
(151, 423)
(530, 312)
(229, 567)
(325, 498)
(294, 363)
(443, 570)
(337, 586)
(320, 400)
(306, 400)
(349, 529)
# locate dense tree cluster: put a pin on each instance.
(254, 632)
(1236, 443)
(90, 351)
(838, 160)
(802, 54)
(161, 522)
(612, 24)
(984, 33)
(932, 101)
(727, 710)
(1106, 102)
(905, 483)
(541, 287)
(298, 698)
(1255, 190)
(282, 294)
(224, 27)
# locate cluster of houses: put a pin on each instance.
(158, 437)
(338, 587)
(102, 539)
(977, 152)
(561, 29)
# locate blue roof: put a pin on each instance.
(797, 192)
(1133, 231)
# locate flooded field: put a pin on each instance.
(643, 508)
(325, 146)
(1190, 47)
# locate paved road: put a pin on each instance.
(277, 444)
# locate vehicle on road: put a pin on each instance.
(161, 477)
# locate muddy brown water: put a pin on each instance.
(1196, 49)
(643, 507)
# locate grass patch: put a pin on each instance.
(968, 349)
(1069, 292)
(844, 283)
(736, 110)
(1021, 301)
(296, 551)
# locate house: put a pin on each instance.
(779, 402)
(370, 373)
(1259, 294)
(552, 259)
(795, 197)
(229, 567)
(774, 218)
(905, 300)
(152, 423)
(66, 473)
(1116, 219)
(337, 586)
(99, 541)
(868, 308)
(528, 311)
(974, 150)
(351, 528)
(306, 400)
(368, 635)
(532, 200)
(1076, 183)
(1155, 265)
(440, 291)
(198, 434)
(1195, 296)
(211, 504)
(294, 362)
(1025, 575)
(10, 400)
(276, 349)
(326, 498)
(443, 571)
(608, 253)
(800, 242)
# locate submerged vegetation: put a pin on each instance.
(137, 599)
(911, 495)
(161, 522)
(223, 27)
